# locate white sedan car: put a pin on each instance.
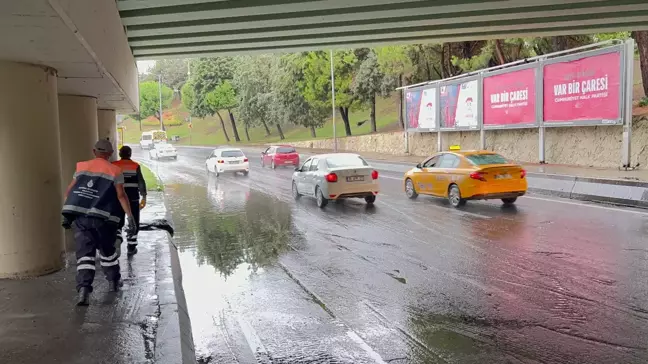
(336, 176)
(162, 151)
(223, 160)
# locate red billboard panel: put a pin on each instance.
(509, 98)
(585, 89)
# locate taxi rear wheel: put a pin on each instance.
(509, 201)
(454, 196)
(370, 200)
(410, 191)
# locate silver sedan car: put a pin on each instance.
(335, 177)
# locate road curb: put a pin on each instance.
(174, 339)
(610, 191)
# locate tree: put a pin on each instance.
(289, 106)
(188, 96)
(173, 72)
(150, 99)
(316, 83)
(223, 97)
(641, 37)
(368, 82)
(210, 74)
(252, 79)
(395, 65)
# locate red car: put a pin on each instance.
(280, 155)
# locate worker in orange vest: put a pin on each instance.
(95, 202)
(135, 186)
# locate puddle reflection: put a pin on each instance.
(230, 224)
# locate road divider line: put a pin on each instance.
(351, 333)
(411, 337)
(586, 205)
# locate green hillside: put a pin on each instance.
(208, 131)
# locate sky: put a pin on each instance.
(144, 66)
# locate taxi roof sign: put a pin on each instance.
(455, 147)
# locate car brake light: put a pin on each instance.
(522, 173)
(477, 176)
(374, 174)
(221, 161)
(245, 160)
(331, 177)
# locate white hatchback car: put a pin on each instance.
(163, 150)
(223, 160)
(336, 176)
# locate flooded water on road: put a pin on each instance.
(273, 280)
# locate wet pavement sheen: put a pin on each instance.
(273, 280)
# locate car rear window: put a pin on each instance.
(482, 159)
(285, 150)
(147, 137)
(346, 161)
(231, 153)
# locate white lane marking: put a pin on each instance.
(586, 205)
(390, 177)
(251, 337)
(372, 354)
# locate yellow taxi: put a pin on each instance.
(467, 175)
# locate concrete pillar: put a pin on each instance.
(78, 126)
(79, 132)
(31, 237)
(108, 127)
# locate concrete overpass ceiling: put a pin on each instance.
(83, 40)
(186, 28)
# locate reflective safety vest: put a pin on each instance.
(131, 183)
(94, 193)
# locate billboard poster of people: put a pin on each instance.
(509, 98)
(584, 89)
(412, 108)
(459, 105)
(427, 112)
(467, 105)
(448, 96)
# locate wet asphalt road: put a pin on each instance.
(274, 280)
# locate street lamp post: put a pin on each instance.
(335, 144)
(160, 93)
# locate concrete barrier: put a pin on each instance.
(612, 191)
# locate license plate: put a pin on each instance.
(234, 162)
(502, 176)
(355, 178)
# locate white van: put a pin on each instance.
(146, 140)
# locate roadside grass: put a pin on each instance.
(208, 131)
(153, 183)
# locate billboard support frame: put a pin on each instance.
(626, 148)
(539, 112)
(480, 112)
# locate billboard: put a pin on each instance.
(427, 111)
(509, 98)
(584, 89)
(459, 105)
(412, 108)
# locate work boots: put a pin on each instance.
(131, 251)
(84, 297)
(114, 286)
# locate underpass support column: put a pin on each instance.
(79, 132)
(31, 243)
(107, 125)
